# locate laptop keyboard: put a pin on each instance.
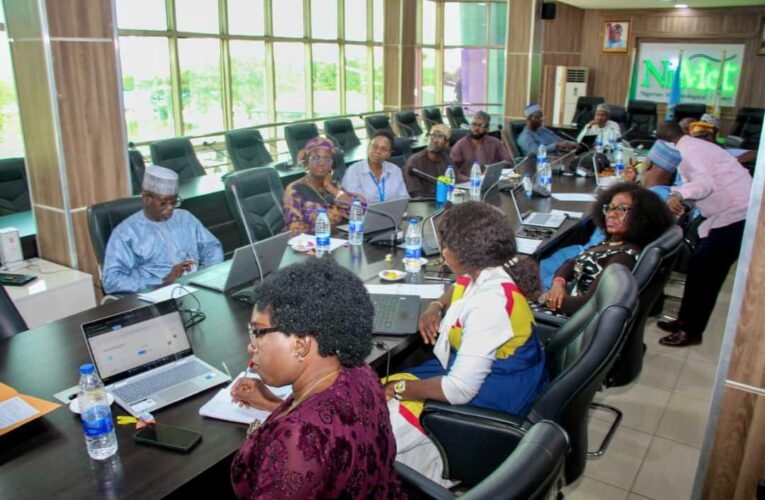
(145, 387)
(538, 219)
(386, 307)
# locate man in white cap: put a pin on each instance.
(158, 244)
(601, 125)
(535, 135)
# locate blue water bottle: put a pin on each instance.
(95, 415)
(442, 191)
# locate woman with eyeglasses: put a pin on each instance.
(332, 436)
(631, 217)
(304, 197)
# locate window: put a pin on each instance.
(287, 18)
(11, 140)
(199, 59)
(324, 19)
(245, 17)
(355, 78)
(248, 83)
(326, 79)
(289, 68)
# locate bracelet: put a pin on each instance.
(439, 304)
(560, 279)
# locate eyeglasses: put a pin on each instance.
(478, 125)
(257, 333)
(173, 202)
(438, 136)
(620, 210)
(315, 160)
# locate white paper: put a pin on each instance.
(422, 291)
(222, 408)
(574, 197)
(167, 292)
(15, 410)
(309, 240)
(527, 245)
(570, 213)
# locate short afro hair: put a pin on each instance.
(321, 299)
(648, 219)
(479, 235)
(388, 135)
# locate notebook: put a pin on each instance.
(395, 314)
(527, 217)
(242, 268)
(145, 358)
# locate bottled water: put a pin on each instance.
(356, 225)
(95, 415)
(413, 247)
(619, 164)
(449, 174)
(612, 140)
(545, 174)
(528, 186)
(599, 142)
(323, 230)
(475, 181)
(542, 152)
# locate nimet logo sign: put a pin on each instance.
(700, 73)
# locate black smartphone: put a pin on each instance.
(168, 436)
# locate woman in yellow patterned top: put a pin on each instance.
(304, 197)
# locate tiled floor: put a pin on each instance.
(655, 451)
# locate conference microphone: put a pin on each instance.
(412, 135)
(209, 145)
(419, 173)
(626, 132)
(246, 294)
(571, 138)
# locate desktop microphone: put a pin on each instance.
(569, 137)
(412, 134)
(209, 145)
(246, 294)
(419, 173)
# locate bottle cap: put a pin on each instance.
(413, 220)
(356, 200)
(86, 369)
(322, 210)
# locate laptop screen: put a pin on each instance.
(132, 342)
(521, 202)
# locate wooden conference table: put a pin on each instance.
(47, 457)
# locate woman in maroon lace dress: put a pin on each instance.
(332, 437)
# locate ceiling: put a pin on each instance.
(657, 4)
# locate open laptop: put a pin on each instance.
(145, 358)
(395, 314)
(528, 217)
(430, 244)
(374, 222)
(490, 177)
(242, 268)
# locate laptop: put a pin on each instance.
(242, 268)
(145, 358)
(374, 222)
(395, 315)
(490, 177)
(430, 243)
(528, 217)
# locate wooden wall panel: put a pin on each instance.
(91, 121)
(392, 54)
(522, 52)
(52, 237)
(564, 33)
(85, 254)
(22, 19)
(516, 90)
(408, 59)
(80, 18)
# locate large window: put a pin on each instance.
(199, 67)
(11, 141)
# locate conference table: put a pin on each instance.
(47, 457)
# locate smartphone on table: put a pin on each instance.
(168, 436)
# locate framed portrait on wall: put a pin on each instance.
(761, 45)
(616, 35)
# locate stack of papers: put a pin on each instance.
(222, 408)
(174, 291)
(574, 197)
(422, 291)
(527, 245)
(18, 409)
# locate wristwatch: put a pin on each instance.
(398, 389)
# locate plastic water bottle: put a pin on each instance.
(413, 247)
(528, 186)
(542, 152)
(475, 181)
(545, 175)
(356, 225)
(619, 164)
(449, 174)
(612, 140)
(323, 230)
(95, 415)
(599, 142)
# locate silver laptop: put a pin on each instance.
(145, 358)
(242, 268)
(528, 217)
(490, 177)
(374, 223)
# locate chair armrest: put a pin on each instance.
(548, 317)
(416, 485)
(464, 433)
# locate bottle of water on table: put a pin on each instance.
(413, 247)
(619, 164)
(95, 415)
(323, 230)
(541, 152)
(528, 185)
(449, 174)
(475, 181)
(599, 142)
(356, 225)
(545, 174)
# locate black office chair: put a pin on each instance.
(641, 119)
(373, 123)
(456, 116)
(254, 197)
(618, 115)
(14, 190)
(11, 321)
(406, 121)
(177, 154)
(514, 129)
(104, 217)
(585, 110)
(246, 148)
(297, 135)
(475, 441)
(341, 131)
(431, 116)
(748, 126)
(689, 110)
(531, 472)
(402, 150)
(137, 169)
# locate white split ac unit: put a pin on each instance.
(570, 84)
